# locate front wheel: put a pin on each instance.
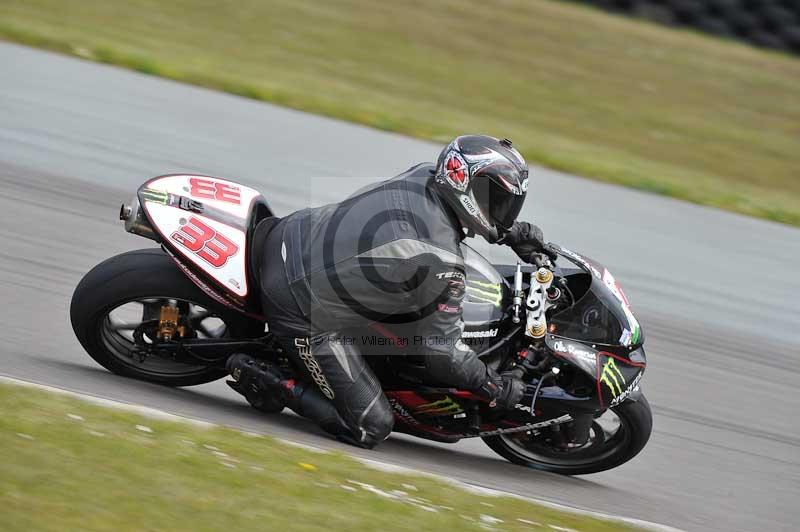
(116, 308)
(615, 438)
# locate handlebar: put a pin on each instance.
(547, 257)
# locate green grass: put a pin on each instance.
(667, 111)
(70, 465)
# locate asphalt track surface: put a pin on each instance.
(716, 292)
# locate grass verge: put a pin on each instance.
(667, 111)
(70, 465)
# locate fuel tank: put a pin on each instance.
(485, 302)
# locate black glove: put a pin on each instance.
(526, 240)
(504, 390)
(513, 390)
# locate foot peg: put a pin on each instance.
(257, 381)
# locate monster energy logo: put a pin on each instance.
(439, 408)
(612, 377)
(156, 196)
(485, 292)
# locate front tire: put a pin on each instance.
(145, 274)
(635, 426)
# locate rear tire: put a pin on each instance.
(141, 274)
(635, 416)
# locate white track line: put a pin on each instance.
(155, 413)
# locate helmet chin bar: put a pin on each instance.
(491, 235)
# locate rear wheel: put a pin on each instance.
(116, 308)
(614, 438)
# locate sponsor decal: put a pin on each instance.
(529, 426)
(612, 377)
(401, 413)
(456, 171)
(441, 407)
(455, 288)
(612, 285)
(450, 309)
(156, 196)
(473, 210)
(484, 292)
(625, 338)
(450, 275)
(489, 333)
(576, 351)
(634, 385)
(204, 287)
(304, 350)
(211, 246)
(461, 346)
(582, 261)
(524, 185)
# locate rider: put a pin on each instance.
(388, 254)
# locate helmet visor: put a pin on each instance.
(500, 206)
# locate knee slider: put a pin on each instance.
(379, 423)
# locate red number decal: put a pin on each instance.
(202, 188)
(228, 193)
(217, 251)
(207, 189)
(193, 235)
(214, 248)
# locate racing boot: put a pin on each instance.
(264, 388)
(307, 400)
(257, 381)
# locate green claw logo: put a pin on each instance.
(439, 408)
(156, 196)
(612, 377)
(485, 292)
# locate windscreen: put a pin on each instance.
(601, 314)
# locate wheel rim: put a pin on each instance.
(121, 322)
(609, 434)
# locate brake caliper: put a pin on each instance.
(168, 323)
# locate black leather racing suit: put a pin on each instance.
(388, 253)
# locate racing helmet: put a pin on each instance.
(484, 181)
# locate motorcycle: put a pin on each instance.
(173, 315)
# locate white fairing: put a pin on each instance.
(216, 247)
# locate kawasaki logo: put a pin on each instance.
(489, 333)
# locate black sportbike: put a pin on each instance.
(173, 315)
